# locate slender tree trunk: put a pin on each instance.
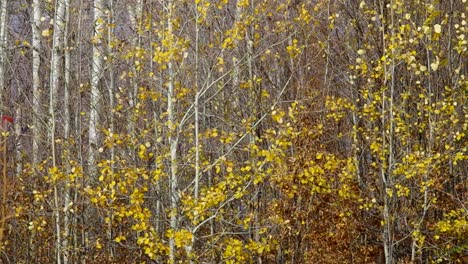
(57, 46)
(3, 44)
(96, 73)
(36, 78)
(196, 104)
(36, 86)
(67, 119)
(173, 139)
(255, 109)
(156, 111)
(387, 161)
(79, 234)
(110, 90)
(111, 86)
(3, 209)
(18, 141)
(236, 72)
(197, 123)
(429, 146)
(3, 126)
(326, 83)
(136, 14)
(391, 156)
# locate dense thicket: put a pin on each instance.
(233, 131)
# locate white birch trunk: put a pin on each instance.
(386, 174)
(135, 14)
(57, 46)
(96, 72)
(36, 78)
(196, 105)
(3, 43)
(67, 120)
(236, 71)
(36, 86)
(173, 141)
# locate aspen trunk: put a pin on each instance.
(36, 78)
(3, 44)
(110, 90)
(387, 142)
(67, 119)
(96, 72)
(136, 14)
(173, 141)
(57, 46)
(36, 86)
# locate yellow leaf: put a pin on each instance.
(45, 33)
(98, 244)
(119, 238)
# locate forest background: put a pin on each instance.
(233, 131)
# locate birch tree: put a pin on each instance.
(36, 78)
(173, 137)
(56, 73)
(67, 202)
(3, 46)
(96, 74)
(234, 131)
(135, 13)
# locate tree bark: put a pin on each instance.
(173, 139)
(3, 44)
(36, 78)
(55, 73)
(67, 129)
(96, 72)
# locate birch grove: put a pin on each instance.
(233, 131)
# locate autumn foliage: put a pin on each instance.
(233, 131)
